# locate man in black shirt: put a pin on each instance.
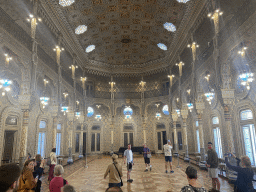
(212, 164)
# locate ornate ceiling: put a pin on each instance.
(125, 33)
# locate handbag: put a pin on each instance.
(149, 155)
(119, 175)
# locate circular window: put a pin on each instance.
(166, 110)
(128, 111)
(90, 111)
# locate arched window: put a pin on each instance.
(217, 136)
(247, 124)
(41, 139)
(166, 110)
(90, 111)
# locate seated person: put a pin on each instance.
(68, 188)
(9, 175)
(193, 186)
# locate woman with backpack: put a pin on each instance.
(53, 162)
(57, 182)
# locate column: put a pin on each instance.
(184, 113)
(24, 137)
(201, 135)
(144, 136)
(70, 118)
(81, 143)
(175, 144)
(54, 132)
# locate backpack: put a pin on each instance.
(48, 162)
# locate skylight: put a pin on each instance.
(90, 48)
(183, 1)
(66, 3)
(162, 46)
(169, 27)
(80, 29)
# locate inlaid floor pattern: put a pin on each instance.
(91, 179)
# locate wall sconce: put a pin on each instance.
(209, 96)
(242, 52)
(158, 116)
(7, 59)
(65, 95)
(217, 12)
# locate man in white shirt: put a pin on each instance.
(168, 156)
(128, 156)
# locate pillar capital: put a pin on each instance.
(175, 116)
(228, 96)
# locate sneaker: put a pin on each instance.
(171, 171)
(146, 170)
(150, 168)
(130, 180)
(166, 171)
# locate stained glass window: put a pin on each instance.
(162, 46)
(166, 110)
(169, 27)
(58, 143)
(198, 140)
(217, 141)
(42, 124)
(90, 111)
(215, 120)
(246, 114)
(80, 29)
(90, 48)
(128, 111)
(197, 124)
(41, 144)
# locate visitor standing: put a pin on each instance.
(115, 173)
(57, 182)
(193, 184)
(26, 181)
(212, 164)
(128, 157)
(9, 175)
(147, 154)
(53, 163)
(38, 171)
(245, 174)
(168, 156)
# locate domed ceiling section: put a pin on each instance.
(125, 32)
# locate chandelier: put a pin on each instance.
(128, 116)
(44, 101)
(77, 114)
(65, 3)
(178, 112)
(190, 106)
(209, 96)
(246, 79)
(98, 117)
(64, 109)
(158, 116)
(5, 84)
